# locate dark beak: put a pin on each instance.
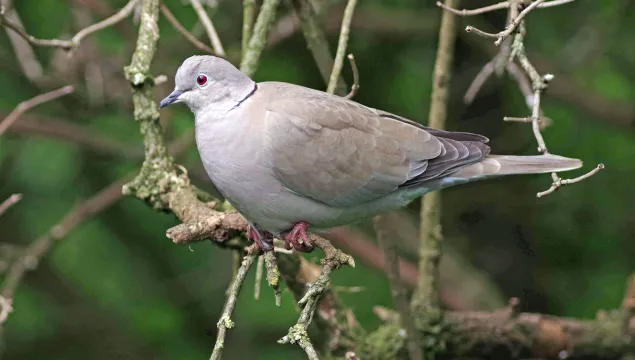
(174, 96)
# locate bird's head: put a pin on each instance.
(208, 81)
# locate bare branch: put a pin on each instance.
(499, 6)
(355, 85)
(510, 28)
(464, 12)
(31, 103)
(186, 34)
(209, 28)
(75, 134)
(399, 296)
(5, 309)
(341, 46)
(258, 40)
(333, 259)
(316, 41)
(28, 62)
(225, 321)
(561, 182)
(259, 271)
(75, 40)
(426, 295)
(38, 248)
(547, 4)
(273, 275)
(539, 85)
(10, 201)
(249, 9)
(479, 81)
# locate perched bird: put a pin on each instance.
(290, 158)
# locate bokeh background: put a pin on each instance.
(116, 287)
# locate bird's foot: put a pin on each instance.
(263, 239)
(298, 239)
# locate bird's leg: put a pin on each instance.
(297, 238)
(263, 239)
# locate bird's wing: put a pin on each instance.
(342, 153)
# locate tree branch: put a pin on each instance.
(249, 9)
(31, 103)
(316, 41)
(333, 259)
(28, 62)
(341, 46)
(506, 334)
(225, 321)
(75, 40)
(33, 254)
(186, 34)
(425, 297)
(9, 202)
(209, 28)
(355, 86)
(400, 301)
(66, 131)
(258, 40)
(499, 6)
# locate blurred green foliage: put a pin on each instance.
(117, 288)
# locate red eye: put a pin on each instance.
(201, 80)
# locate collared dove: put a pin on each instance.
(290, 158)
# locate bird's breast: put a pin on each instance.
(235, 161)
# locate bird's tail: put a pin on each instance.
(497, 165)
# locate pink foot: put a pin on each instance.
(263, 241)
(297, 238)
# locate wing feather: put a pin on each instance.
(342, 153)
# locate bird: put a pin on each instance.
(294, 160)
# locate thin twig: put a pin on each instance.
(249, 9)
(426, 295)
(209, 28)
(400, 301)
(225, 321)
(33, 254)
(479, 81)
(186, 34)
(562, 182)
(333, 259)
(547, 4)
(28, 62)
(5, 308)
(273, 275)
(316, 41)
(75, 40)
(31, 103)
(249, 62)
(518, 119)
(510, 28)
(259, 271)
(538, 85)
(355, 86)
(499, 6)
(10, 201)
(70, 132)
(464, 12)
(341, 46)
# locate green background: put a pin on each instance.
(116, 287)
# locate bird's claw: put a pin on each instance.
(264, 242)
(298, 239)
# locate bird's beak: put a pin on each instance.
(172, 98)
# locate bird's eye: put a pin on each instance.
(201, 80)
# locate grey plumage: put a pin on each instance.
(282, 153)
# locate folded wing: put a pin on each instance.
(342, 153)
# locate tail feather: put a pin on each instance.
(497, 165)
